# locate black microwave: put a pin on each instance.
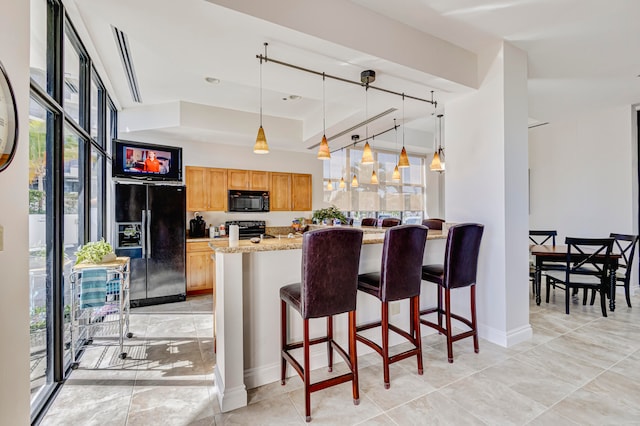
(248, 201)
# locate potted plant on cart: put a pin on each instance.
(95, 252)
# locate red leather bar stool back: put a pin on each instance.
(399, 278)
(459, 270)
(330, 262)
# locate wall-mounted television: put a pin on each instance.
(136, 160)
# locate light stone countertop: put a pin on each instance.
(220, 245)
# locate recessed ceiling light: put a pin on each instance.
(212, 80)
(292, 98)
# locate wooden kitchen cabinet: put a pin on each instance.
(255, 180)
(280, 192)
(259, 180)
(237, 179)
(301, 199)
(201, 268)
(206, 189)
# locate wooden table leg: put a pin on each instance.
(612, 290)
(538, 279)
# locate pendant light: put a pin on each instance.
(323, 151)
(367, 155)
(403, 161)
(437, 164)
(374, 177)
(329, 186)
(342, 184)
(261, 146)
(396, 172)
(354, 181)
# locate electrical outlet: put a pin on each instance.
(394, 308)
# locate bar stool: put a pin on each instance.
(399, 278)
(433, 223)
(369, 221)
(330, 262)
(459, 270)
(389, 222)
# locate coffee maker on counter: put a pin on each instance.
(197, 226)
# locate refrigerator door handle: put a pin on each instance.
(144, 234)
(148, 234)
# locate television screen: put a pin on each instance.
(145, 161)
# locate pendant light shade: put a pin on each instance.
(354, 182)
(330, 186)
(404, 159)
(323, 151)
(261, 146)
(396, 174)
(367, 155)
(437, 164)
(374, 178)
(342, 183)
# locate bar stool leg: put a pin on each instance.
(385, 344)
(415, 325)
(307, 371)
(329, 340)
(440, 306)
(447, 304)
(283, 341)
(353, 358)
(474, 323)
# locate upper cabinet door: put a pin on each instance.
(197, 188)
(259, 180)
(217, 183)
(280, 192)
(301, 194)
(237, 179)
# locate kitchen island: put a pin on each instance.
(247, 308)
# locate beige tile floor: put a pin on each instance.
(579, 369)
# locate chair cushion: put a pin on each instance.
(291, 294)
(370, 283)
(433, 273)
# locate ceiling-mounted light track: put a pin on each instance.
(344, 80)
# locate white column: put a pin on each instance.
(229, 369)
(486, 160)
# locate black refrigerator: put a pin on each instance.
(150, 223)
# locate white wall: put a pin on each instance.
(14, 303)
(582, 174)
(487, 183)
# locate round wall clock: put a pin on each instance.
(8, 121)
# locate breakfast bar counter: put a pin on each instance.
(247, 308)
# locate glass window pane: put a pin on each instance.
(38, 42)
(38, 272)
(94, 111)
(72, 225)
(96, 195)
(109, 123)
(71, 80)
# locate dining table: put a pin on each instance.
(554, 257)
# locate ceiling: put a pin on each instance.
(581, 54)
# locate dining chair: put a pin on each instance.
(330, 262)
(587, 267)
(389, 222)
(459, 270)
(369, 221)
(435, 224)
(625, 245)
(542, 237)
(398, 279)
